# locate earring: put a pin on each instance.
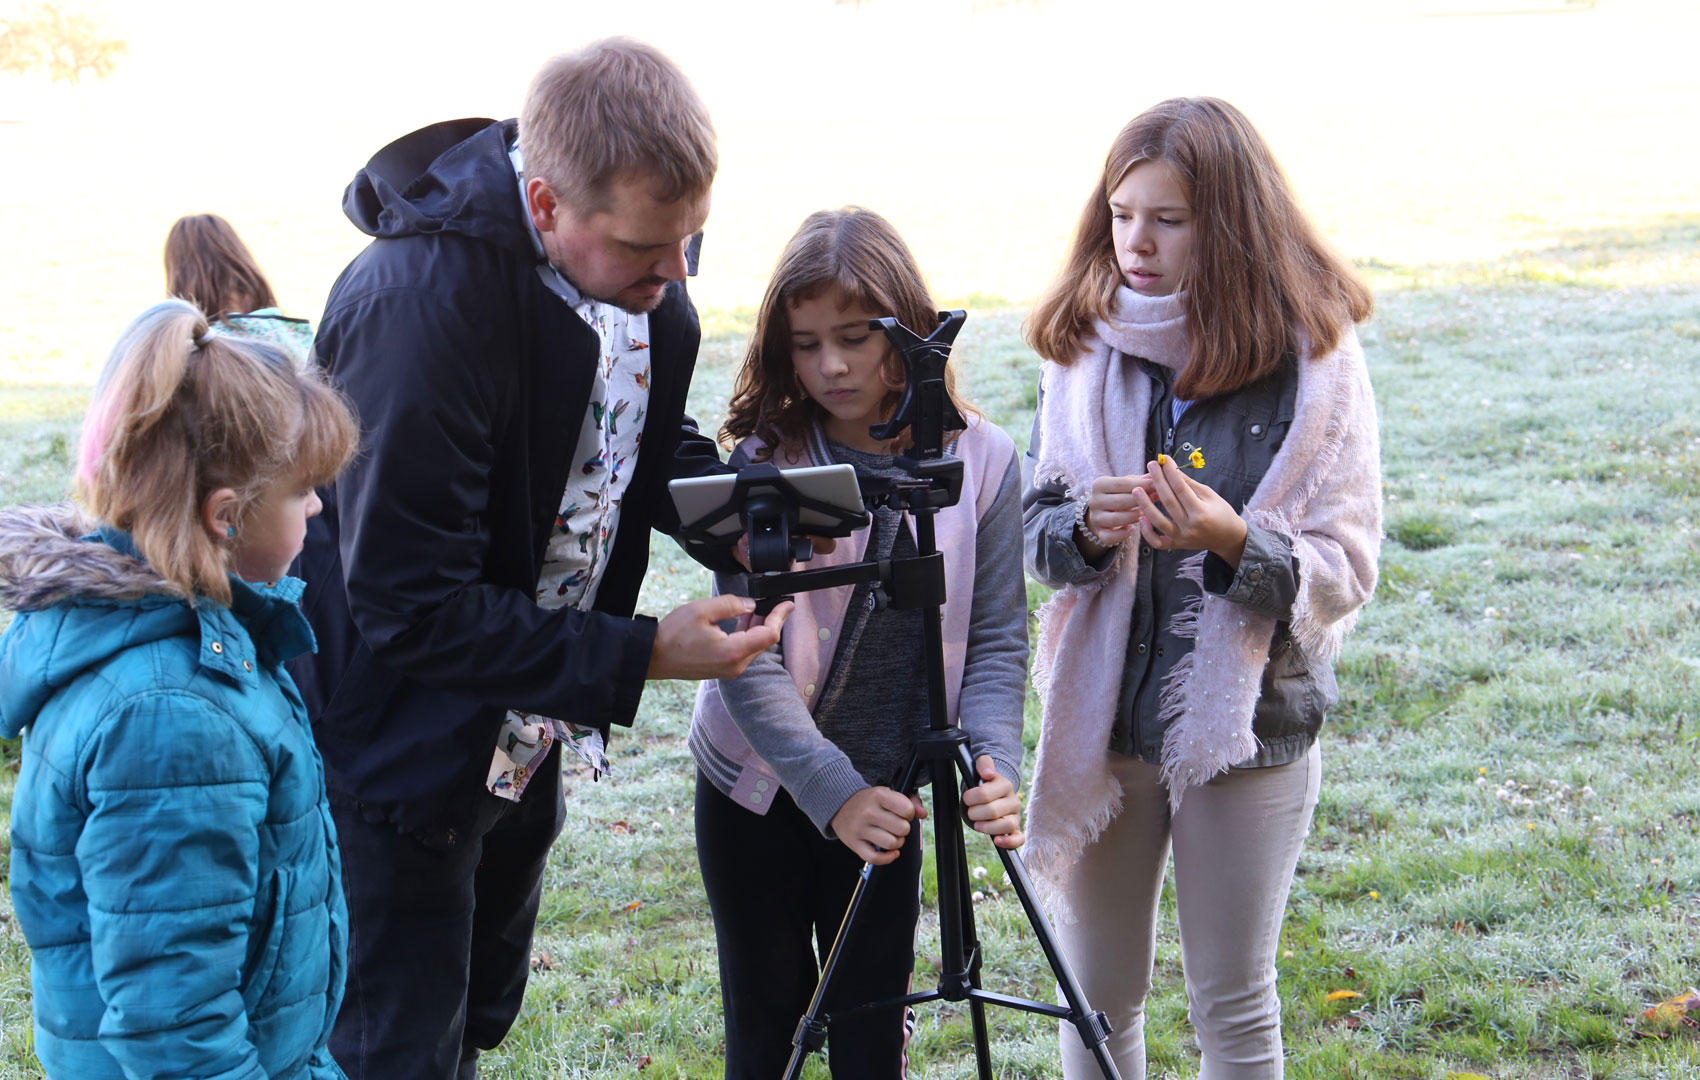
(230, 532)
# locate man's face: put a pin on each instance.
(625, 253)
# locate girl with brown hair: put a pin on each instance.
(207, 264)
(796, 757)
(174, 866)
(1203, 490)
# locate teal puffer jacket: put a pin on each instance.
(174, 867)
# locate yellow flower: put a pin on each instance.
(1196, 460)
(1162, 459)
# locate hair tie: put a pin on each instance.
(199, 339)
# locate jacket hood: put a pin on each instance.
(452, 177)
(82, 599)
(45, 560)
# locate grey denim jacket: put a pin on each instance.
(1239, 434)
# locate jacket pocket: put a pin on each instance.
(269, 919)
(1286, 659)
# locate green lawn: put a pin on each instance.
(1505, 865)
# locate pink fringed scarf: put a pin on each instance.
(1323, 492)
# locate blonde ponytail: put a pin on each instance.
(182, 411)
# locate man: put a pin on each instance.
(518, 343)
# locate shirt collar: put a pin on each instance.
(552, 278)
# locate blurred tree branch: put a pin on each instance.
(63, 43)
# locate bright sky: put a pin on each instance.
(1412, 134)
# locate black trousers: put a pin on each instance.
(778, 890)
(439, 942)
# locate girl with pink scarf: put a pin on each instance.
(1203, 489)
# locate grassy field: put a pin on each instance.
(1505, 867)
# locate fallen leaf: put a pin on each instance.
(1675, 1008)
(1343, 995)
(540, 962)
(621, 827)
(633, 906)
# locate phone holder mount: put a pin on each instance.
(924, 407)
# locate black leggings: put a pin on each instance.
(776, 887)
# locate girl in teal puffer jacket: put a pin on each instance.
(174, 867)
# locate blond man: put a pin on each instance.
(518, 342)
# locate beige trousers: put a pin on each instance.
(1236, 842)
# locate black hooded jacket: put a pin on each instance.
(471, 380)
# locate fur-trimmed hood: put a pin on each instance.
(47, 555)
(84, 596)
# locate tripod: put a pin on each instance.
(934, 481)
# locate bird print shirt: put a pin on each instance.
(589, 515)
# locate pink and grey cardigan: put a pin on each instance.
(817, 774)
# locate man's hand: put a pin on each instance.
(873, 823)
(993, 806)
(689, 643)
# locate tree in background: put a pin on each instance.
(65, 44)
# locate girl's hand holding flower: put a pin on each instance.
(1178, 512)
(1111, 515)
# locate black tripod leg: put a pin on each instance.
(971, 941)
(1093, 1027)
(811, 1029)
(958, 946)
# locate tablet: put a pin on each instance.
(697, 497)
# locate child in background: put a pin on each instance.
(207, 264)
(1204, 489)
(174, 868)
(796, 756)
